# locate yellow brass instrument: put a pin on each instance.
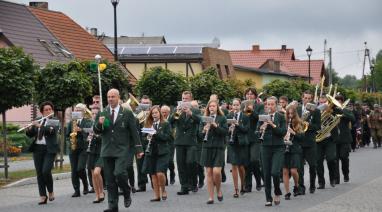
(132, 101)
(177, 114)
(141, 116)
(73, 136)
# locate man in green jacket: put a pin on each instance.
(344, 140)
(186, 124)
(309, 146)
(118, 129)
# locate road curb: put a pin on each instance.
(33, 180)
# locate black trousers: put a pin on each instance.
(185, 158)
(310, 155)
(78, 159)
(343, 156)
(43, 162)
(326, 149)
(115, 170)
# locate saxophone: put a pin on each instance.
(73, 136)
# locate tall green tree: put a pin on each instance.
(292, 89)
(378, 71)
(64, 85)
(350, 82)
(162, 86)
(17, 72)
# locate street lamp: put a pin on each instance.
(98, 60)
(115, 3)
(309, 53)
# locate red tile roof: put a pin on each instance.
(79, 42)
(257, 57)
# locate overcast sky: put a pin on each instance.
(239, 24)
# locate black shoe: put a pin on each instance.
(91, 191)
(97, 201)
(44, 202)
(312, 190)
(346, 178)
(141, 189)
(224, 178)
(268, 203)
(133, 190)
(183, 192)
(258, 187)
(76, 194)
(287, 196)
(337, 181)
(194, 189)
(155, 200)
(172, 181)
(127, 201)
(242, 192)
(321, 186)
(220, 198)
(209, 202)
(302, 190)
(201, 184)
(111, 210)
(333, 183)
(248, 189)
(85, 191)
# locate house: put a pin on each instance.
(186, 59)
(278, 60)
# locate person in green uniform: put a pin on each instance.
(375, 125)
(78, 145)
(344, 140)
(186, 121)
(165, 111)
(292, 156)
(44, 148)
(142, 177)
(253, 168)
(157, 152)
(238, 154)
(95, 144)
(326, 149)
(272, 133)
(309, 145)
(199, 181)
(212, 157)
(117, 127)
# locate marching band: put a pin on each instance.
(265, 138)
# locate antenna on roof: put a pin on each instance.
(216, 42)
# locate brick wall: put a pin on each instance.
(219, 59)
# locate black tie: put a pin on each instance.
(236, 115)
(112, 116)
(271, 117)
(156, 126)
(40, 131)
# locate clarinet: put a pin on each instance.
(288, 138)
(231, 140)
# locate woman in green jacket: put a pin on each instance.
(157, 152)
(293, 151)
(272, 133)
(212, 157)
(238, 152)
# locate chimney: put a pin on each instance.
(93, 31)
(283, 47)
(255, 48)
(39, 4)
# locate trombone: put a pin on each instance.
(40, 121)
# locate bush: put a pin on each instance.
(19, 140)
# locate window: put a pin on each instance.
(227, 70)
(47, 46)
(219, 71)
(62, 50)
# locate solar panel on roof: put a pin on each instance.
(135, 50)
(189, 50)
(162, 50)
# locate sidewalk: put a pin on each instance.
(26, 165)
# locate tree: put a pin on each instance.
(162, 86)
(16, 78)
(112, 77)
(378, 71)
(64, 85)
(292, 89)
(350, 82)
(239, 86)
(207, 82)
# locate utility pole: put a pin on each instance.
(366, 54)
(330, 67)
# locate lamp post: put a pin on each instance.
(115, 3)
(309, 53)
(98, 60)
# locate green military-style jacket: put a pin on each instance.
(240, 134)
(216, 136)
(296, 143)
(253, 119)
(186, 128)
(118, 138)
(162, 138)
(314, 120)
(275, 136)
(81, 136)
(344, 127)
(50, 135)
